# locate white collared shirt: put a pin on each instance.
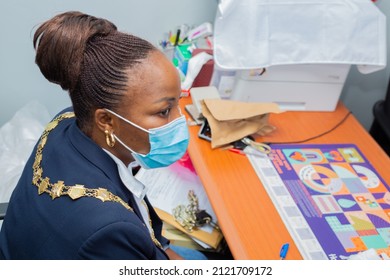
(134, 186)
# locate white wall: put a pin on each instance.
(21, 81)
(20, 78)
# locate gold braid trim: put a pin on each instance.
(59, 188)
(151, 226)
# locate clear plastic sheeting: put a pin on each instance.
(17, 140)
(254, 34)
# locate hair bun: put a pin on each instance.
(60, 43)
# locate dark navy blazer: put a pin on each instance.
(39, 227)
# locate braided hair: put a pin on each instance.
(90, 58)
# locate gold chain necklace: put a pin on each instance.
(74, 192)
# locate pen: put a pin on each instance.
(283, 251)
(237, 151)
(177, 37)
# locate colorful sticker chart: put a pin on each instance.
(332, 200)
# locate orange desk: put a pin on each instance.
(249, 221)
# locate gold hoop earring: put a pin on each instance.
(110, 140)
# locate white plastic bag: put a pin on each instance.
(195, 64)
(254, 34)
(17, 140)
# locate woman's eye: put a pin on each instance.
(165, 113)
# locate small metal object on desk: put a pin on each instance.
(261, 147)
(190, 217)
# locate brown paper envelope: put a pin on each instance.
(231, 120)
(224, 110)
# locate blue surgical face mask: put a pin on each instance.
(168, 143)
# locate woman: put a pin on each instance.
(77, 197)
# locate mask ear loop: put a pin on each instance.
(126, 120)
(110, 139)
(127, 147)
(114, 138)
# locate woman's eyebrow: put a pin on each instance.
(167, 99)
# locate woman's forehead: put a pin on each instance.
(155, 80)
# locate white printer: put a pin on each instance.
(299, 87)
(306, 48)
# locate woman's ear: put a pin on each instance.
(103, 120)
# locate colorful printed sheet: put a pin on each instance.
(332, 200)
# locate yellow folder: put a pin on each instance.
(212, 239)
